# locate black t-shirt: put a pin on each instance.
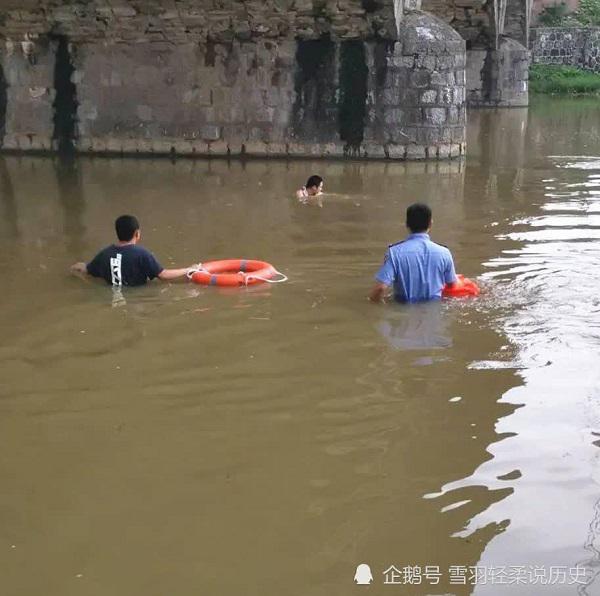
(128, 265)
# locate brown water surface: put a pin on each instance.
(180, 440)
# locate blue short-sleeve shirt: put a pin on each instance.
(417, 268)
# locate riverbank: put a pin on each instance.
(562, 80)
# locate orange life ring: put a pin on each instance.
(233, 272)
(463, 287)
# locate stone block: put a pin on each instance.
(393, 116)
(213, 148)
(256, 148)
(124, 10)
(435, 116)
(458, 134)
(114, 145)
(400, 136)
(84, 144)
(445, 62)
(415, 152)
(410, 97)
(442, 78)
(129, 146)
(420, 79)
(297, 149)
(446, 96)
(444, 151)
(145, 145)
(432, 152)
(429, 96)
(402, 61)
(332, 149)
(374, 150)
(459, 95)
(394, 151)
(455, 150)
(183, 147)
(98, 145)
(210, 132)
(162, 146)
(390, 96)
(426, 62)
(453, 115)
(22, 141)
(276, 149)
(428, 135)
(199, 147)
(405, 135)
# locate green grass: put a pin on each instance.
(564, 80)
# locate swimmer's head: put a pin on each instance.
(314, 185)
(418, 218)
(127, 228)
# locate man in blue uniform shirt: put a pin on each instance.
(126, 263)
(417, 268)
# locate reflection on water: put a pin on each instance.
(418, 326)
(176, 439)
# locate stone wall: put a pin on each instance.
(471, 18)
(496, 76)
(570, 46)
(224, 77)
(474, 20)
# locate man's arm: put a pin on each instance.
(450, 273)
(379, 292)
(384, 280)
(169, 274)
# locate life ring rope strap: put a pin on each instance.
(269, 281)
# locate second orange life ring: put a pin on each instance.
(233, 272)
(463, 287)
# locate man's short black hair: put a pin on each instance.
(418, 218)
(126, 226)
(314, 181)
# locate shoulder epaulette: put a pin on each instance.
(395, 244)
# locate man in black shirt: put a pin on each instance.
(125, 263)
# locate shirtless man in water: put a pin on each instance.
(313, 188)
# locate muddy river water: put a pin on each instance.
(177, 440)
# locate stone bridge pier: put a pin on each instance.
(496, 36)
(321, 78)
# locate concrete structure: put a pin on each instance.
(497, 55)
(359, 78)
(569, 46)
(342, 78)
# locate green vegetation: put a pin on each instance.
(562, 80)
(589, 12)
(558, 15)
(554, 15)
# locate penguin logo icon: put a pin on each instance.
(363, 575)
